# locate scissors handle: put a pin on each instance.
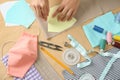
(50, 45)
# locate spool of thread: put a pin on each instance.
(109, 38)
(99, 29)
(116, 37)
(116, 44)
(117, 19)
(102, 44)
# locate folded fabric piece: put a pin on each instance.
(57, 26)
(22, 55)
(96, 68)
(4, 8)
(32, 73)
(107, 22)
(20, 13)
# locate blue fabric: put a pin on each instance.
(20, 13)
(107, 22)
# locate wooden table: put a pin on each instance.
(13, 33)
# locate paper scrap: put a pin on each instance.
(4, 8)
(20, 13)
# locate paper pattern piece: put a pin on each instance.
(4, 8)
(57, 26)
(20, 13)
(107, 22)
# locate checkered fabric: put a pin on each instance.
(32, 73)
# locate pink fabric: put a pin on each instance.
(22, 55)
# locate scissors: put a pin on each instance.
(50, 46)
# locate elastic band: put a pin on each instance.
(4, 44)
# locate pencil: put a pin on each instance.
(55, 59)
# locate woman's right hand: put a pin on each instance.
(41, 8)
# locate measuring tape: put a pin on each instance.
(74, 43)
(86, 76)
(71, 56)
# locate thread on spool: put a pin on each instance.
(116, 44)
(116, 37)
(99, 29)
(102, 44)
(109, 38)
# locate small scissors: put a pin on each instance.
(50, 45)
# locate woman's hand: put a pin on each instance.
(67, 9)
(41, 8)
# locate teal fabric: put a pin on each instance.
(20, 13)
(107, 22)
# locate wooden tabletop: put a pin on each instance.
(13, 33)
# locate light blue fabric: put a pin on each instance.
(20, 13)
(107, 22)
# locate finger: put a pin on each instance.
(58, 11)
(69, 15)
(36, 11)
(63, 14)
(73, 13)
(43, 13)
(40, 13)
(47, 8)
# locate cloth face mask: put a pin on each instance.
(22, 55)
(32, 73)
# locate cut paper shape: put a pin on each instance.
(20, 13)
(57, 26)
(107, 22)
(4, 8)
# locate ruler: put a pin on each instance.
(45, 69)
